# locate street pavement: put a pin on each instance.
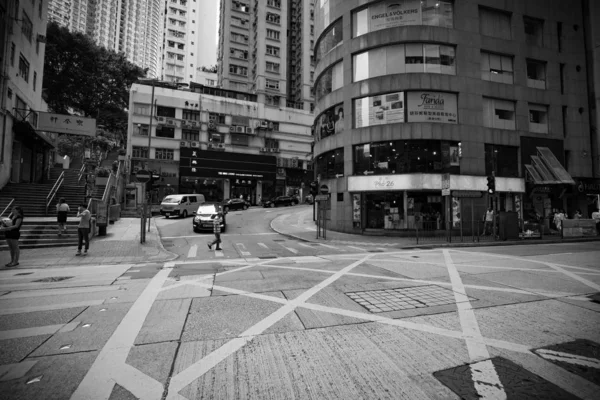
(361, 319)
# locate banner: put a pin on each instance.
(379, 110)
(388, 14)
(432, 107)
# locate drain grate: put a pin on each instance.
(387, 300)
(54, 279)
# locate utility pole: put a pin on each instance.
(148, 205)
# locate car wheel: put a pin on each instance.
(273, 205)
(245, 207)
(166, 217)
(184, 215)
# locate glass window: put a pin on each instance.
(538, 118)
(23, 68)
(496, 67)
(238, 70)
(410, 156)
(239, 140)
(331, 164)
(191, 115)
(168, 112)
(498, 113)
(534, 31)
(139, 152)
(536, 74)
(187, 134)
(272, 34)
(330, 80)
(384, 15)
(329, 122)
(165, 132)
(164, 154)
(273, 51)
(272, 84)
(142, 109)
(26, 26)
(140, 129)
(329, 39)
(495, 23)
(272, 67)
(502, 160)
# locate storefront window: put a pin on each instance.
(403, 58)
(385, 210)
(503, 160)
(331, 164)
(329, 122)
(391, 13)
(332, 79)
(331, 38)
(402, 157)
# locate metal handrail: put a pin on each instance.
(7, 207)
(80, 175)
(54, 190)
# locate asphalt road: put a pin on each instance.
(293, 322)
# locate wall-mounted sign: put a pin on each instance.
(387, 14)
(379, 110)
(432, 107)
(71, 124)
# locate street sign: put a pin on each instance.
(324, 189)
(143, 176)
(445, 184)
(466, 193)
(445, 192)
(322, 197)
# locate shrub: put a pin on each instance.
(102, 172)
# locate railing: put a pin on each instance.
(54, 190)
(80, 175)
(7, 207)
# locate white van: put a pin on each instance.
(180, 205)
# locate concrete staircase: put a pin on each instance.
(43, 233)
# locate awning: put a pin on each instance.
(30, 136)
(545, 169)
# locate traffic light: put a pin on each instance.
(314, 188)
(491, 183)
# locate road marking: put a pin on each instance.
(305, 245)
(193, 251)
(242, 249)
(328, 246)
(290, 249)
(357, 248)
(264, 246)
(36, 331)
(310, 228)
(219, 253)
(15, 371)
(55, 292)
(486, 379)
(569, 358)
(110, 367)
(199, 368)
(50, 307)
(575, 276)
(222, 235)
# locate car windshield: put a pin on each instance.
(207, 209)
(171, 199)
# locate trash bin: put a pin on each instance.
(508, 225)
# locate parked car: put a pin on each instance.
(235, 204)
(281, 201)
(180, 205)
(205, 215)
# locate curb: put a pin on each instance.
(160, 244)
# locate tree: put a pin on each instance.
(85, 79)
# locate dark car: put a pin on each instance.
(235, 204)
(281, 201)
(205, 216)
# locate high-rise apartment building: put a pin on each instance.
(256, 54)
(71, 14)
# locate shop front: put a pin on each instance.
(584, 196)
(223, 175)
(31, 153)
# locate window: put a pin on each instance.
(564, 120)
(187, 134)
(164, 154)
(272, 67)
(26, 26)
(432, 12)
(23, 68)
(191, 115)
(273, 18)
(502, 160)
(495, 23)
(217, 118)
(272, 84)
(165, 132)
(168, 112)
(271, 143)
(329, 40)
(140, 129)
(238, 70)
(538, 118)
(139, 152)
(496, 68)
(562, 78)
(236, 37)
(534, 31)
(12, 54)
(340, 196)
(536, 74)
(238, 53)
(272, 100)
(498, 113)
(239, 140)
(239, 6)
(559, 33)
(331, 164)
(215, 138)
(272, 34)
(273, 51)
(142, 109)
(40, 6)
(330, 80)
(274, 3)
(34, 80)
(240, 22)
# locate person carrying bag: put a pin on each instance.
(12, 232)
(62, 210)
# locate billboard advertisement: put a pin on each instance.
(432, 107)
(388, 14)
(379, 110)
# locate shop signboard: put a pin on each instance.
(388, 14)
(428, 106)
(356, 209)
(467, 193)
(587, 185)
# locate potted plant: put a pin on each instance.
(102, 176)
(122, 156)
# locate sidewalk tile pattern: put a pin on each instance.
(377, 301)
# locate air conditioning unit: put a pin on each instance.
(210, 146)
(273, 150)
(170, 122)
(184, 144)
(194, 144)
(270, 126)
(211, 125)
(194, 124)
(221, 146)
(161, 119)
(249, 130)
(240, 129)
(264, 149)
(264, 124)
(212, 118)
(232, 128)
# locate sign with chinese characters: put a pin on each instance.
(432, 107)
(71, 124)
(445, 184)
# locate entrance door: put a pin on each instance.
(15, 173)
(26, 155)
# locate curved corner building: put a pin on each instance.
(415, 96)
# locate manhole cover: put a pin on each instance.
(54, 279)
(386, 300)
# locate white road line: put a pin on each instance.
(222, 235)
(575, 276)
(110, 367)
(304, 245)
(15, 371)
(290, 249)
(55, 292)
(39, 330)
(310, 228)
(199, 368)
(50, 307)
(357, 248)
(486, 379)
(193, 251)
(569, 358)
(264, 246)
(242, 250)
(219, 253)
(328, 246)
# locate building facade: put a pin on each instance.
(416, 96)
(70, 14)
(219, 143)
(24, 152)
(301, 61)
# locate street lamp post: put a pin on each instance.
(148, 159)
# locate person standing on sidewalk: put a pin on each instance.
(488, 219)
(62, 209)
(217, 231)
(12, 234)
(596, 217)
(83, 230)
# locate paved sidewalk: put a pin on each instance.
(299, 225)
(120, 245)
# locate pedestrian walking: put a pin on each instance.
(596, 217)
(558, 219)
(11, 227)
(488, 219)
(217, 231)
(62, 210)
(83, 229)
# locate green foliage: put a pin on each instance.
(86, 79)
(102, 172)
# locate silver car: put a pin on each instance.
(205, 215)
